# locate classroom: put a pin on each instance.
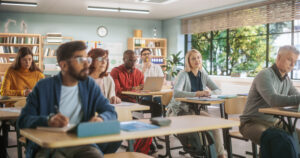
(149, 78)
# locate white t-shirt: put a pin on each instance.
(153, 71)
(70, 104)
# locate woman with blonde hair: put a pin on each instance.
(193, 82)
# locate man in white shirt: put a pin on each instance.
(147, 67)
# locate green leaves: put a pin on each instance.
(174, 62)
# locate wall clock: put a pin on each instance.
(102, 31)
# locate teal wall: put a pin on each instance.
(81, 27)
(172, 31)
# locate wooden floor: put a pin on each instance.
(239, 147)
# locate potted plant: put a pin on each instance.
(173, 66)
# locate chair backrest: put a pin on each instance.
(166, 98)
(235, 105)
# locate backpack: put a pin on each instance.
(192, 142)
(277, 143)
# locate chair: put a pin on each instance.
(127, 155)
(236, 106)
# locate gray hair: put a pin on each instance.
(288, 48)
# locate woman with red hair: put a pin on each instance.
(98, 71)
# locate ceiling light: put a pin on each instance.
(26, 4)
(103, 9)
(118, 10)
(134, 11)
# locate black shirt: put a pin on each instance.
(196, 83)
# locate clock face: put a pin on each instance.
(102, 31)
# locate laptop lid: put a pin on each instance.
(153, 84)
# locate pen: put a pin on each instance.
(56, 109)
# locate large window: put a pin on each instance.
(246, 50)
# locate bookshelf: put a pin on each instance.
(10, 43)
(49, 52)
(158, 46)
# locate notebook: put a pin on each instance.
(291, 108)
(153, 84)
(136, 126)
(67, 128)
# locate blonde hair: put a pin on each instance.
(187, 65)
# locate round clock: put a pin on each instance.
(102, 31)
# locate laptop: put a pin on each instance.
(153, 84)
(291, 108)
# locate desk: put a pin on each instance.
(6, 114)
(125, 109)
(281, 114)
(179, 125)
(12, 99)
(221, 102)
(160, 94)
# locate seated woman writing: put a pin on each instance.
(22, 75)
(98, 71)
(193, 82)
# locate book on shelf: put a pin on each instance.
(54, 35)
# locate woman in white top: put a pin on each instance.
(98, 71)
(193, 82)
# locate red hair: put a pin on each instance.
(95, 53)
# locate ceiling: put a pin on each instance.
(161, 11)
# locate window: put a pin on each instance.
(246, 50)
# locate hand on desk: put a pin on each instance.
(58, 120)
(96, 118)
(140, 87)
(202, 93)
(26, 92)
(115, 100)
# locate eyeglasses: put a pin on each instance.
(145, 54)
(102, 59)
(81, 60)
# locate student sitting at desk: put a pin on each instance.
(69, 97)
(192, 83)
(22, 75)
(98, 71)
(147, 67)
(272, 87)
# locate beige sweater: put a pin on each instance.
(107, 86)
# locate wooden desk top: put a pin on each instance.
(278, 111)
(9, 113)
(180, 124)
(200, 101)
(12, 99)
(141, 93)
(131, 106)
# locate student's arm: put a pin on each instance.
(265, 88)
(40, 76)
(114, 74)
(293, 90)
(212, 86)
(179, 87)
(105, 110)
(30, 117)
(6, 83)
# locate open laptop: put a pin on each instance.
(153, 84)
(291, 108)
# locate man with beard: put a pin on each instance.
(127, 78)
(70, 97)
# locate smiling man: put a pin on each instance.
(69, 97)
(272, 87)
